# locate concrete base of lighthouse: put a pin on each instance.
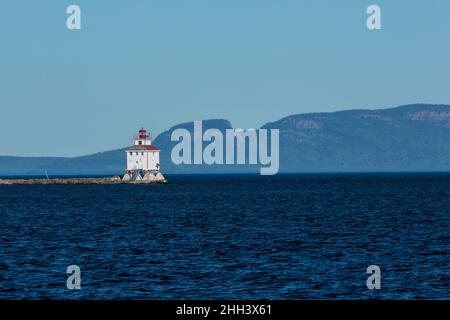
(141, 176)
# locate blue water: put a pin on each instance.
(229, 237)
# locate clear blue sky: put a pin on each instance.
(158, 63)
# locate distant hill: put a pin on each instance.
(406, 138)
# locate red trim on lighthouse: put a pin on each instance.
(143, 134)
(144, 147)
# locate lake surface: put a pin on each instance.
(229, 237)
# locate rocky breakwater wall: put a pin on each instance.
(53, 181)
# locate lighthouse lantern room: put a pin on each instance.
(143, 159)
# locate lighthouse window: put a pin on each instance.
(131, 153)
(140, 142)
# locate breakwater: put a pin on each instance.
(53, 181)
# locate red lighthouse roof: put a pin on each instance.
(144, 148)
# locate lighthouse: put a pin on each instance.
(143, 160)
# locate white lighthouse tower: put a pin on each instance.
(143, 160)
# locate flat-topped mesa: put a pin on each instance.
(143, 160)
